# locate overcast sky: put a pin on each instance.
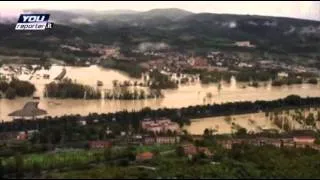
(296, 9)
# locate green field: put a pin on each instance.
(55, 160)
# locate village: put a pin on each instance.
(163, 132)
(174, 61)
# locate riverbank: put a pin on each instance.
(191, 112)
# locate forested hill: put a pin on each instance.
(178, 28)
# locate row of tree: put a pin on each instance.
(126, 94)
(180, 115)
(161, 81)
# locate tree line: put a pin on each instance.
(16, 88)
(69, 89)
(126, 94)
(179, 115)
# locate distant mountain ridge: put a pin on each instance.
(177, 28)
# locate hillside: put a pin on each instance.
(178, 28)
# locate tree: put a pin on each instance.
(36, 168)
(107, 154)
(310, 120)
(206, 132)
(115, 83)
(179, 151)
(1, 169)
(241, 132)
(156, 152)
(19, 166)
(228, 119)
(3, 86)
(11, 93)
(219, 87)
(124, 162)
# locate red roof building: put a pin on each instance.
(144, 156)
(304, 139)
(162, 140)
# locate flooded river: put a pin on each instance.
(185, 95)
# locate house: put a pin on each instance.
(167, 140)
(149, 140)
(242, 64)
(219, 63)
(83, 122)
(144, 156)
(160, 125)
(227, 144)
(123, 133)
(304, 140)
(154, 128)
(161, 140)
(108, 131)
(282, 75)
(276, 143)
(99, 144)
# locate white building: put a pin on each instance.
(242, 64)
(282, 75)
(161, 125)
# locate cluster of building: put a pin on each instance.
(161, 140)
(159, 125)
(150, 140)
(17, 135)
(103, 50)
(191, 150)
(296, 141)
(10, 71)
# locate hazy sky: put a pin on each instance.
(297, 9)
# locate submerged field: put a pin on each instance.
(292, 119)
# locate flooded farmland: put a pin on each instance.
(185, 95)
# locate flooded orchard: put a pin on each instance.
(185, 95)
(255, 122)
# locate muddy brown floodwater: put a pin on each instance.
(185, 95)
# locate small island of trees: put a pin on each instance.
(161, 81)
(16, 88)
(68, 89)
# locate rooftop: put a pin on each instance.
(30, 109)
